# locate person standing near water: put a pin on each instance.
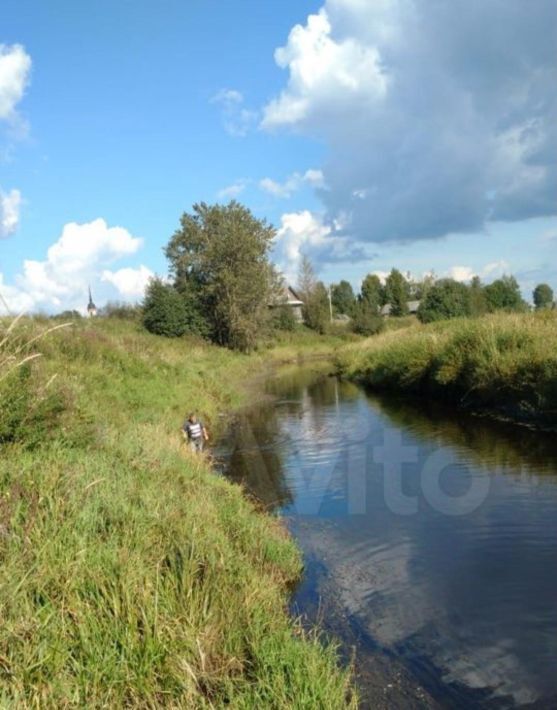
(195, 433)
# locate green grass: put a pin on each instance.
(131, 575)
(502, 362)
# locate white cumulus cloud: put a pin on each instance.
(79, 258)
(435, 121)
(9, 212)
(312, 177)
(129, 282)
(237, 119)
(321, 67)
(306, 234)
(492, 270)
(15, 70)
(231, 191)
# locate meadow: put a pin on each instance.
(131, 574)
(504, 363)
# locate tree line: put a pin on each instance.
(221, 284)
(438, 299)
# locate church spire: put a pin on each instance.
(91, 308)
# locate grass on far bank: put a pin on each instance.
(131, 575)
(501, 362)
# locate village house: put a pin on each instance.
(412, 308)
(289, 297)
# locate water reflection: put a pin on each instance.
(467, 600)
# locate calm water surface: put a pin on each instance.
(438, 533)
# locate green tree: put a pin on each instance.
(343, 298)
(446, 299)
(504, 294)
(419, 289)
(314, 294)
(372, 293)
(219, 257)
(366, 320)
(316, 309)
(543, 296)
(478, 299)
(397, 293)
(166, 311)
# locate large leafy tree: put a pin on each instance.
(343, 298)
(504, 294)
(220, 257)
(397, 292)
(445, 299)
(372, 294)
(543, 296)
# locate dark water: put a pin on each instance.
(436, 534)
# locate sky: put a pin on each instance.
(417, 134)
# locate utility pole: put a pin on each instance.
(330, 302)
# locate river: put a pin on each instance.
(430, 538)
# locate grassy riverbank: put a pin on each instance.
(130, 574)
(503, 363)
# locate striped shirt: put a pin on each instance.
(193, 430)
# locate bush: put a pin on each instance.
(167, 312)
(504, 295)
(125, 311)
(543, 296)
(282, 318)
(445, 299)
(316, 309)
(366, 321)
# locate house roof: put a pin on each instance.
(412, 308)
(289, 297)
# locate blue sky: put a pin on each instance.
(372, 133)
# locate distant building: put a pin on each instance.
(412, 308)
(91, 308)
(289, 297)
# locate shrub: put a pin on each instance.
(168, 312)
(125, 311)
(543, 296)
(282, 318)
(445, 299)
(504, 295)
(366, 321)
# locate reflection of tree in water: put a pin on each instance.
(258, 440)
(489, 442)
(255, 459)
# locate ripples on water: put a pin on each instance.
(468, 598)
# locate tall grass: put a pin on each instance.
(131, 575)
(505, 362)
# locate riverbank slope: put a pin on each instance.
(503, 364)
(131, 574)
